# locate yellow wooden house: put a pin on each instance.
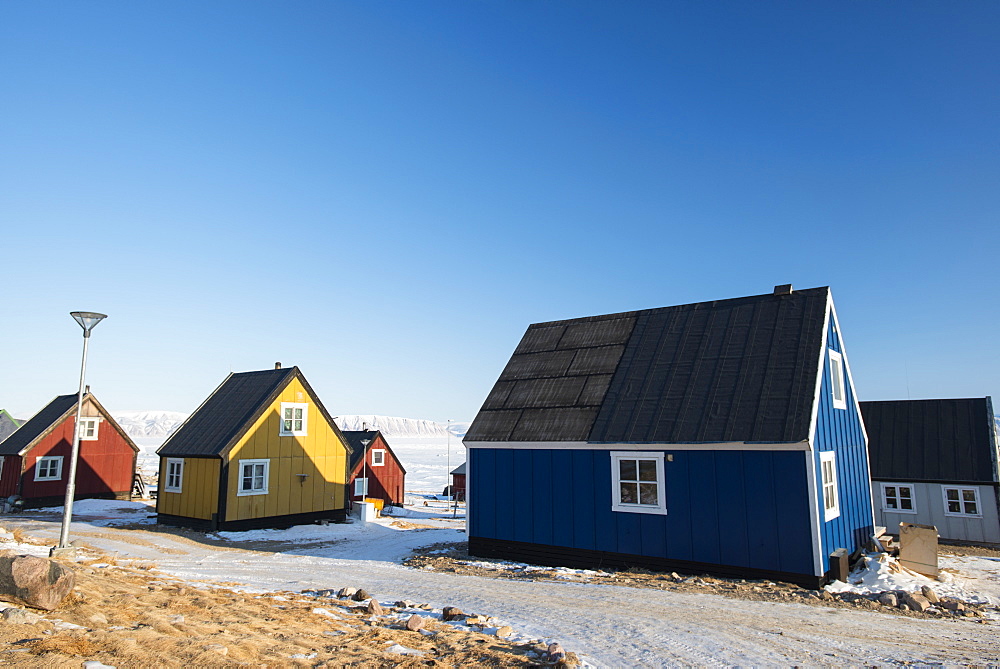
(261, 452)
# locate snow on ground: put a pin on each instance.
(879, 572)
(426, 461)
(610, 625)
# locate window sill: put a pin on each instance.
(639, 509)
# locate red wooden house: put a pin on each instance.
(458, 482)
(374, 471)
(34, 460)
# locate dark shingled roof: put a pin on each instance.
(227, 413)
(738, 370)
(931, 440)
(7, 424)
(38, 424)
(354, 439)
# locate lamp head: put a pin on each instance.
(88, 320)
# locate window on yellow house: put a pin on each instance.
(294, 419)
(253, 477)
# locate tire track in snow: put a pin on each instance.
(609, 625)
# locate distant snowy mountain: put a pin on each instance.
(402, 427)
(151, 428)
(150, 425)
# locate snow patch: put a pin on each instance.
(880, 572)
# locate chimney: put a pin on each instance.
(783, 289)
(86, 389)
(277, 365)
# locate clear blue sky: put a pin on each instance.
(387, 193)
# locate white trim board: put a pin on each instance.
(587, 446)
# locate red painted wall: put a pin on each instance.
(8, 477)
(106, 465)
(458, 480)
(385, 482)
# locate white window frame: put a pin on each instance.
(962, 502)
(380, 462)
(898, 497)
(838, 390)
(86, 423)
(661, 484)
(244, 492)
(303, 429)
(828, 484)
(47, 459)
(361, 482)
(168, 474)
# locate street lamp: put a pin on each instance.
(447, 479)
(364, 467)
(88, 320)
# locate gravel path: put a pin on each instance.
(608, 625)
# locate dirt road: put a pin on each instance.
(608, 625)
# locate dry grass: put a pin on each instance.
(21, 537)
(135, 618)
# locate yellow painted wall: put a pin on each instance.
(199, 495)
(321, 455)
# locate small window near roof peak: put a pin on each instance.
(837, 389)
(294, 419)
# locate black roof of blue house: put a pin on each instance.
(37, 424)
(229, 412)
(932, 440)
(736, 370)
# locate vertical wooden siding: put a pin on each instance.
(385, 482)
(742, 508)
(199, 495)
(9, 475)
(106, 465)
(320, 455)
(840, 430)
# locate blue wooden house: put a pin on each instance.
(720, 437)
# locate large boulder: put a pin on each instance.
(33, 581)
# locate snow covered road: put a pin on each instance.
(608, 625)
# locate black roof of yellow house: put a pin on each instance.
(232, 409)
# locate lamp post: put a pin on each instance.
(88, 320)
(364, 467)
(447, 479)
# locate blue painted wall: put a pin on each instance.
(742, 508)
(840, 430)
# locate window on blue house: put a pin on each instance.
(837, 380)
(637, 481)
(828, 470)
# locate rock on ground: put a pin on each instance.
(33, 581)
